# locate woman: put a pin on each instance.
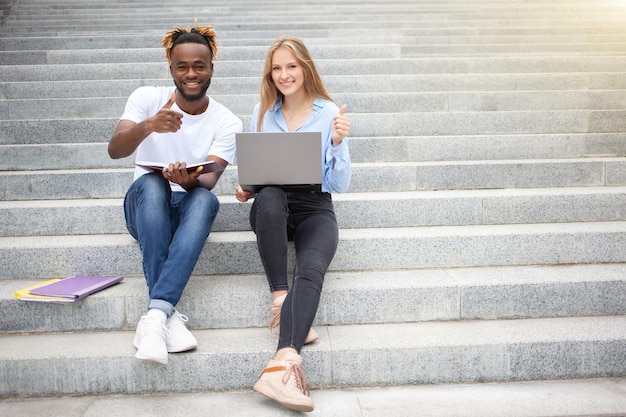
(294, 98)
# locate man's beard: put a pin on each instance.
(194, 97)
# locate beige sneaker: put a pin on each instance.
(277, 305)
(284, 382)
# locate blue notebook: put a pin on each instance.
(76, 287)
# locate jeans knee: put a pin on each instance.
(270, 202)
(152, 186)
(200, 201)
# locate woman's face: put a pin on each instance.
(287, 73)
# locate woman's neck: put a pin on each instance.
(296, 111)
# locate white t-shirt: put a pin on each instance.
(210, 133)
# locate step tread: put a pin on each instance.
(564, 398)
(350, 355)
(419, 295)
(400, 233)
(335, 338)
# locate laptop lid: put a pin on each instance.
(290, 160)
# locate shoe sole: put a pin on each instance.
(263, 389)
(150, 359)
(177, 349)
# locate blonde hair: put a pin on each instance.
(313, 84)
(198, 34)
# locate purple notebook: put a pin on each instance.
(76, 287)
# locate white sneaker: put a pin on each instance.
(150, 340)
(179, 338)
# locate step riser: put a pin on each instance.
(335, 84)
(445, 354)
(256, 53)
(359, 103)
(386, 67)
(348, 36)
(363, 125)
(410, 210)
(419, 295)
(409, 177)
(37, 156)
(406, 248)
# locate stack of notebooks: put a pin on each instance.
(66, 290)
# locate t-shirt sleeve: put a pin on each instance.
(141, 104)
(224, 144)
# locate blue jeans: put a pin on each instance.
(171, 228)
(309, 220)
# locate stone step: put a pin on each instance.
(228, 53)
(90, 363)
(446, 294)
(566, 398)
(367, 177)
(406, 50)
(387, 177)
(362, 102)
(78, 20)
(318, 40)
(488, 123)
(84, 155)
(263, 37)
(432, 83)
(395, 102)
(354, 210)
(547, 47)
(146, 14)
(345, 67)
(397, 248)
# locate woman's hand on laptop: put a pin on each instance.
(241, 194)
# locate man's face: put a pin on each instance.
(191, 69)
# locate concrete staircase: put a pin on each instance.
(483, 238)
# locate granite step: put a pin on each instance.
(371, 125)
(347, 67)
(96, 363)
(44, 153)
(397, 248)
(354, 210)
(394, 102)
(422, 295)
(227, 53)
(367, 177)
(591, 397)
(432, 83)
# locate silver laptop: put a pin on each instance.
(290, 160)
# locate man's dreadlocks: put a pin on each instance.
(198, 34)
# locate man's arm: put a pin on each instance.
(128, 134)
(127, 137)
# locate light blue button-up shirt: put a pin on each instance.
(337, 170)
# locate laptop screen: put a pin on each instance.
(290, 160)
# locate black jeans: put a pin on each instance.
(307, 219)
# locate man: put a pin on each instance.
(170, 211)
